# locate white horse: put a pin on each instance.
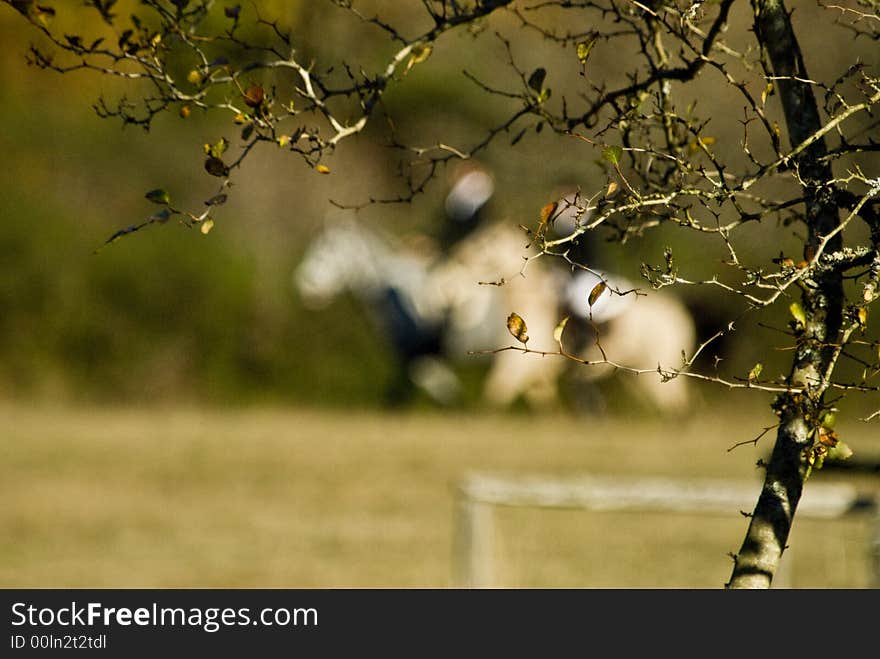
(437, 311)
(645, 331)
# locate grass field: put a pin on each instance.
(170, 497)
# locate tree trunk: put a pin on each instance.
(822, 301)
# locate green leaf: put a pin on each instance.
(217, 200)
(160, 216)
(536, 80)
(828, 419)
(217, 150)
(839, 452)
(159, 196)
(612, 154)
(755, 373)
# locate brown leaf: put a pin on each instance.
(546, 216)
(598, 289)
(827, 436)
(216, 167)
(254, 95)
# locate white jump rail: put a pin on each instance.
(476, 494)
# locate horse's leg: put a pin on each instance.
(514, 375)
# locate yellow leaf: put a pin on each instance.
(797, 312)
(611, 189)
(322, 169)
(517, 327)
(584, 48)
(419, 55)
(560, 328)
(216, 150)
(695, 145)
(863, 317)
(283, 140)
(767, 91)
(207, 225)
(598, 289)
(240, 118)
(194, 77)
(42, 14)
(185, 111)
(755, 373)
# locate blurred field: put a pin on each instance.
(172, 497)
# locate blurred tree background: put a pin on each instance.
(172, 314)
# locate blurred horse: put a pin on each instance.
(638, 331)
(438, 307)
(645, 331)
(437, 311)
(434, 311)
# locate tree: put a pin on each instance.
(798, 169)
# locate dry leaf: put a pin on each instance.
(611, 189)
(517, 327)
(254, 96)
(546, 216)
(560, 328)
(598, 289)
